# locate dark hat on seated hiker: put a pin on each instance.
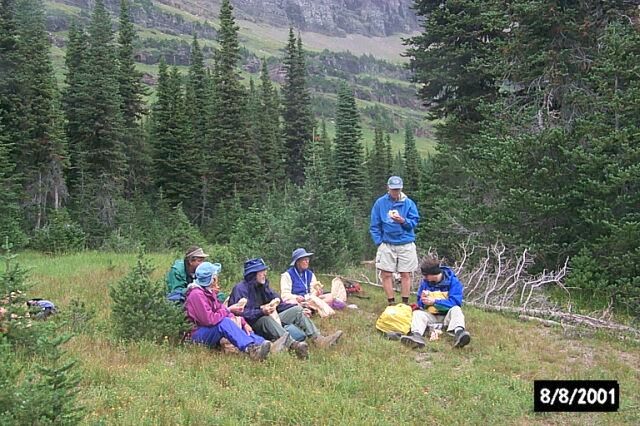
(254, 265)
(195, 252)
(430, 269)
(298, 254)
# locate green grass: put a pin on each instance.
(364, 380)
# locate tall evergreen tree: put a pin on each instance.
(236, 163)
(199, 98)
(75, 97)
(349, 151)
(10, 219)
(133, 107)
(411, 160)
(102, 149)
(267, 120)
(298, 121)
(378, 169)
(172, 141)
(41, 151)
(388, 156)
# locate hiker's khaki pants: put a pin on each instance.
(420, 320)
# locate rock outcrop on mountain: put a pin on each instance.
(334, 17)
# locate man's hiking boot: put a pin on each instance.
(393, 335)
(280, 344)
(301, 349)
(461, 338)
(259, 352)
(413, 341)
(326, 341)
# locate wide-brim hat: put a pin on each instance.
(254, 265)
(298, 254)
(197, 252)
(205, 272)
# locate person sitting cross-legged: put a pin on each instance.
(267, 316)
(212, 320)
(299, 285)
(440, 297)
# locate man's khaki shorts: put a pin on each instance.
(400, 258)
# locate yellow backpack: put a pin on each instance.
(395, 318)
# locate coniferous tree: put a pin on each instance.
(348, 151)
(267, 121)
(96, 121)
(75, 97)
(133, 108)
(327, 156)
(172, 146)
(411, 160)
(41, 151)
(388, 156)
(298, 121)
(10, 218)
(378, 168)
(236, 163)
(198, 97)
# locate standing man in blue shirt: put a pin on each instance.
(394, 216)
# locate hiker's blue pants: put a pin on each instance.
(211, 335)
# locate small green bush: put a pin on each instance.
(60, 235)
(140, 310)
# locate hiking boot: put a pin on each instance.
(393, 335)
(413, 341)
(461, 338)
(280, 344)
(326, 341)
(259, 352)
(301, 349)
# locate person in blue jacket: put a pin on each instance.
(394, 217)
(440, 297)
(258, 312)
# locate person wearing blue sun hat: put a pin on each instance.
(212, 321)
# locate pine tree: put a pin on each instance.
(379, 171)
(298, 121)
(199, 99)
(75, 97)
(267, 121)
(388, 157)
(172, 148)
(133, 108)
(10, 217)
(44, 392)
(41, 151)
(159, 320)
(327, 157)
(411, 160)
(236, 163)
(348, 151)
(95, 121)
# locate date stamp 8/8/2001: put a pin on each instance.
(576, 395)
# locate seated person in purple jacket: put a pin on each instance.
(212, 320)
(260, 307)
(440, 297)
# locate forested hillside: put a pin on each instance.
(368, 58)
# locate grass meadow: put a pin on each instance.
(364, 380)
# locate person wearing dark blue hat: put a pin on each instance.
(212, 321)
(262, 302)
(394, 217)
